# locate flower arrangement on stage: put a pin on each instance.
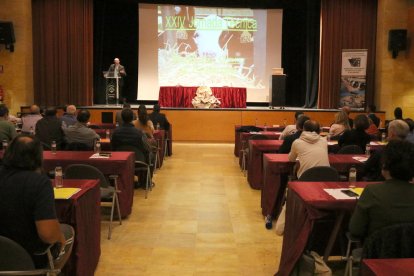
(205, 99)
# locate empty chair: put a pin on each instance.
(15, 260)
(351, 149)
(109, 194)
(321, 173)
(390, 242)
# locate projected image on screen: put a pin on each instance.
(200, 46)
(207, 46)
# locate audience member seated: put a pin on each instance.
(372, 130)
(7, 129)
(79, 133)
(69, 116)
(410, 136)
(29, 121)
(290, 129)
(288, 141)
(118, 116)
(27, 204)
(371, 109)
(158, 118)
(310, 149)
(339, 126)
(144, 123)
(347, 110)
(49, 129)
(356, 136)
(390, 202)
(13, 119)
(397, 130)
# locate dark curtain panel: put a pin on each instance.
(346, 24)
(312, 53)
(62, 51)
(115, 35)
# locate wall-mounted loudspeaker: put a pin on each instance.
(397, 41)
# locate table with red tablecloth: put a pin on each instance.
(277, 167)
(82, 212)
(120, 163)
(255, 159)
(306, 203)
(181, 96)
(386, 267)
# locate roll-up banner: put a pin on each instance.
(353, 78)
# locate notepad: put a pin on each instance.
(65, 193)
(337, 194)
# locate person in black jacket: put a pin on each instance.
(287, 142)
(49, 129)
(158, 118)
(357, 135)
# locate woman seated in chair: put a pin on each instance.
(144, 123)
(392, 201)
(357, 135)
(339, 126)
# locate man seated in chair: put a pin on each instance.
(49, 129)
(390, 202)
(29, 121)
(27, 205)
(288, 141)
(310, 149)
(158, 118)
(80, 132)
(128, 134)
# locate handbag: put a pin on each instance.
(280, 223)
(310, 264)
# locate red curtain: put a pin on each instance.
(345, 24)
(62, 51)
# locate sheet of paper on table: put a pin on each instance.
(360, 158)
(337, 194)
(65, 193)
(97, 155)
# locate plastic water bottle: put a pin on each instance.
(352, 177)
(107, 134)
(265, 126)
(5, 144)
(53, 147)
(58, 177)
(368, 150)
(383, 137)
(97, 148)
(158, 126)
(31, 131)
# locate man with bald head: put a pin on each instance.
(310, 149)
(29, 121)
(69, 116)
(117, 70)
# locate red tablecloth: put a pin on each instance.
(387, 267)
(255, 161)
(306, 203)
(245, 136)
(82, 211)
(277, 167)
(181, 96)
(120, 163)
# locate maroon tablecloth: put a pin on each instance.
(277, 167)
(306, 203)
(255, 160)
(181, 96)
(82, 211)
(387, 267)
(245, 136)
(120, 163)
(237, 142)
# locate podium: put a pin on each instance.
(111, 87)
(277, 91)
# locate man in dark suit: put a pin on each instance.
(117, 70)
(158, 118)
(287, 142)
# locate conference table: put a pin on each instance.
(82, 212)
(277, 168)
(307, 204)
(386, 267)
(119, 163)
(181, 96)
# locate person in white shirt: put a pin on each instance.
(290, 129)
(310, 149)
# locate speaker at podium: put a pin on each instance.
(277, 91)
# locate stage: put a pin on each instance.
(217, 125)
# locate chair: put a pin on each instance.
(350, 149)
(166, 142)
(245, 149)
(109, 194)
(15, 260)
(141, 165)
(320, 173)
(389, 242)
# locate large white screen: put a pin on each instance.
(193, 46)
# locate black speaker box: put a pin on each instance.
(107, 117)
(6, 33)
(277, 95)
(397, 40)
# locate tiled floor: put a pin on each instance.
(202, 218)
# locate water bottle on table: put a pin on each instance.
(352, 177)
(58, 177)
(53, 147)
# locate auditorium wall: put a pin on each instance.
(17, 78)
(395, 77)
